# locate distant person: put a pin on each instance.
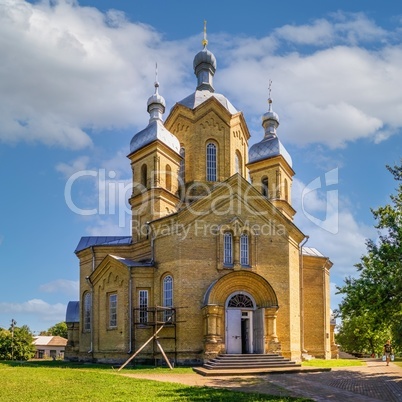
(387, 351)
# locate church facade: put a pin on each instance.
(214, 263)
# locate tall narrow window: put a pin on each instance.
(143, 304)
(244, 250)
(228, 248)
(168, 178)
(182, 170)
(286, 191)
(238, 163)
(167, 296)
(211, 162)
(113, 310)
(264, 186)
(87, 311)
(144, 177)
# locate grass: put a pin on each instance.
(333, 363)
(55, 381)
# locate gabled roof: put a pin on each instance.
(49, 341)
(239, 187)
(89, 241)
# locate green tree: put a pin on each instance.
(377, 292)
(5, 344)
(359, 334)
(16, 343)
(59, 329)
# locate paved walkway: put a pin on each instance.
(370, 383)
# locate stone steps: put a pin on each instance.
(249, 361)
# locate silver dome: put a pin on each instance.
(204, 56)
(268, 148)
(199, 97)
(155, 131)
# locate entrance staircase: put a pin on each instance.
(248, 364)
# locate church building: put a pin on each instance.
(214, 261)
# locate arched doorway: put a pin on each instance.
(240, 304)
(240, 308)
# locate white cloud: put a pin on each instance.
(66, 69)
(317, 33)
(36, 307)
(61, 286)
(330, 96)
(342, 27)
(330, 124)
(79, 164)
(344, 246)
(99, 188)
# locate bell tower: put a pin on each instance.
(270, 165)
(155, 162)
(213, 134)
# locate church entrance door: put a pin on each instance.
(239, 324)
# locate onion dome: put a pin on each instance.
(155, 129)
(270, 121)
(270, 146)
(204, 65)
(204, 68)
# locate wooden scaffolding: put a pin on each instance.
(154, 318)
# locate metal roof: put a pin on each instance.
(268, 148)
(49, 341)
(153, 132)
(131, 263)
(89, 241)
(312, 252)
(73, 311)
(199, 97)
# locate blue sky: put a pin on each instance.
(74, 81)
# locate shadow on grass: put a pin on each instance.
(83, 365)
(201, 394)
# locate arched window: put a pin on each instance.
(167, 296)
(228, 248)
(264, 186)
(87, 311)
(182, 170)
(241, 301)
(168, 178)
(211, 162)
(238, 163)
(244, 250)
(144, 175)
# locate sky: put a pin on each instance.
(75, 77)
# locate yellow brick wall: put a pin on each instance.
(316, 306)
(186, 241)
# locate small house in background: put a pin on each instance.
(49, 347)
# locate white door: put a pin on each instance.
(233, 331)
(258, 332)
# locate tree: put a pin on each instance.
(377, 293)
(16, 343)
(356, 335)
(59, 329)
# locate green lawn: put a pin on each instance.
(333, 363)
(60, 381)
